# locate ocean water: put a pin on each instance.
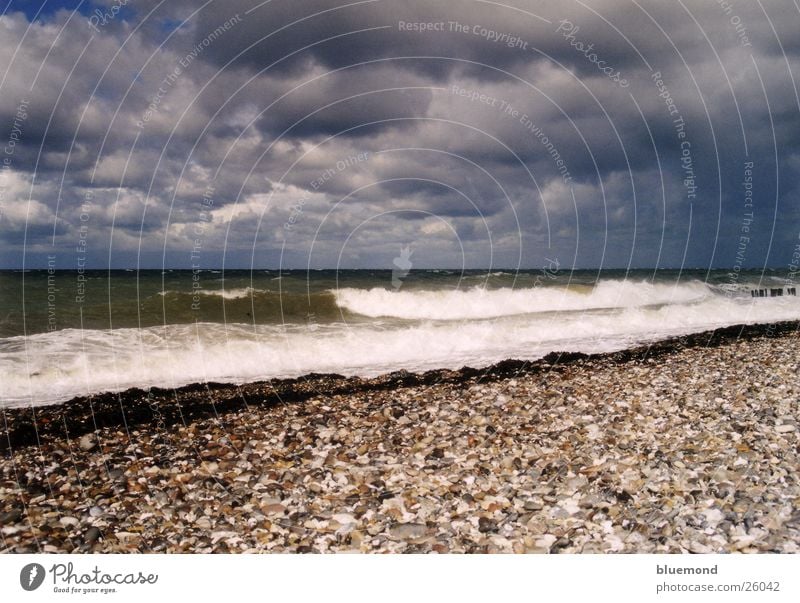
(66, 334)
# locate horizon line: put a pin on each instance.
(384, 268)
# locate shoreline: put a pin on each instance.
(164, 407)
(689, 445)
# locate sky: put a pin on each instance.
(337, 133)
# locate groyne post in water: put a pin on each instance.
(773, 292)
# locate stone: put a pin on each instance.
(274, 509)
(407, 531)
(69, 521)
(11, 516)
(533, 505)
(203, 523)
(92, 535)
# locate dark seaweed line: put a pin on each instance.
(136, 407)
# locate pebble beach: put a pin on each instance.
(691, 445)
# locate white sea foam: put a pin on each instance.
(490, 303)
(55, 366)
(238, 293)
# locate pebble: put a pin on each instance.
(674, 454)
(406, 531)
(533, 505)
(91, 535)
(87, 442)
(10, 517)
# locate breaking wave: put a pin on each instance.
(479, 302)
(363, 332)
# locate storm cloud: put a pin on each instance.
(332, 133)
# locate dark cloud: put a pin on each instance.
(532, 124)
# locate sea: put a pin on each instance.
(65, 334)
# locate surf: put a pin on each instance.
(56, 366)
(480, 302)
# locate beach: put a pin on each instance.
(690, 444)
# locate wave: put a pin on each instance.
(240, 293)
(241, 305)
(55, 366)
(478, 302)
